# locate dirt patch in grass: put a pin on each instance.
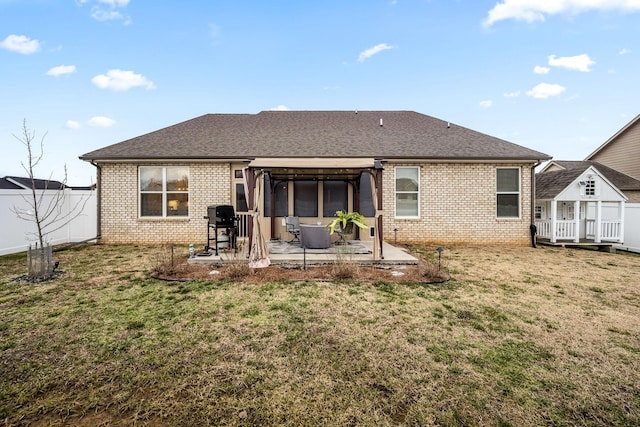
(352, 272)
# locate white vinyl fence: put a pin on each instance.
(631, 227)
(15, 232)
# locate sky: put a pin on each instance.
(556, 76)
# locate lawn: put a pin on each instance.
(518, 336)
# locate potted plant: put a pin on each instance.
(345, 222)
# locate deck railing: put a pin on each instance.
(544, 229)
(243, 223)
(566, 230)
(609, 230)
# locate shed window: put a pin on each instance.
(508, 192)
(407, 192)
(164, 191)
(590, 188)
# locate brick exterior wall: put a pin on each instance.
(457, 205)
(209, 184)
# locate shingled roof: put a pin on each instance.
(376, 134)
(550, 184)
(22, 183)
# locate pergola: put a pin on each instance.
(347, 170)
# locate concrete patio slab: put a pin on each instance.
(392, 256)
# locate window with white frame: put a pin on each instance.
(540, 212)
(239, 195)
(590, 188)
(164, 191)
(508, 192)
(407, 183)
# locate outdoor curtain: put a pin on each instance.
(258, 252)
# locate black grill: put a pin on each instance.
(221, 218)
(221, 215)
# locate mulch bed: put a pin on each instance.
(240, 272)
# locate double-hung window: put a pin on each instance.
(164, 191)
(407, 190)
(508, 192)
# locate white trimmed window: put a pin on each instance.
(590, 188)
(407, 191)
(508, 192)
(164, 191)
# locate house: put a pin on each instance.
(22, 183)
(416, 178)
(576, 202)
(622, 153)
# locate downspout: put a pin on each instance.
(98, 200)
(532, 209)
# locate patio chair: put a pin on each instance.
(293, 227)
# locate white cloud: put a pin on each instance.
(624, 51)
(578, 62)
(108, 10)
(486, 104)
(20, 44)
(512, 94)
(61, 70)
(121, 80)
(101, 121)
(280, 108)
(541, 70)
(115, 3)
(546, 90)
(106, 15)
(72, 124)
(538, 10)
(366, 54)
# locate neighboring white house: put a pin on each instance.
(17, 234)
(579, 205)
(622, 153)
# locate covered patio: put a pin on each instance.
(262, 177)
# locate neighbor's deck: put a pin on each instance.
(581, 243)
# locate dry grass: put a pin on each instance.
(518, 336)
